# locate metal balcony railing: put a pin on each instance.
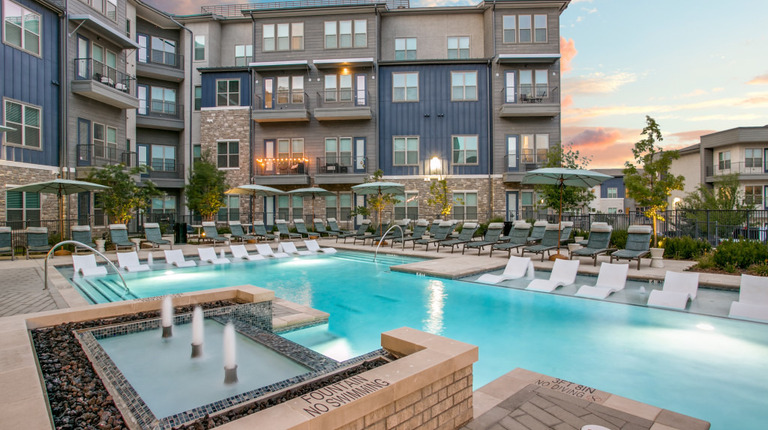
(525, 161)
(88, 68)
(164, 58)
(162, 165)
(341, 164)
(753, 167)
(161, 109)
(102, 155)
(282, 100)
(282, 166)
(236, 10)
(344, 97)
(530, 94)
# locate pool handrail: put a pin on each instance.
(126, 290)
(402, 234)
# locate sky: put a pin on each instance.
(695, 66)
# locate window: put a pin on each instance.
(283, 207)
(405, 48)
(112, 143)
(22, 209)
(406, 151)
(753, 157)
(297, 36)
(231, 209)
(534, 85)
(199, 48)
(407, 206)
(463, 86)
(753, 195)
(524, 23)
(612, 193)
(198, 97)
(163, 100)
(405, 87)
(526, 199)
(541, 83)
(512, 152)
(337, 151)
(228, 92)
(298, 207)
(283, 37)
(724, 160)
(163, 158)
(458, 47)
(268, 37)
(330, 207)
(534, 148)
(346, 34)
(141, 92)
(164, 205)
(143, 41)
(464, 205)
(21, 27)
(613, 210)
(540, 28)
(361, 33)
(338, 88)
(510, 92)
(345, 206)
(509, 24)
(163, 51)
(228, 155)
(197, 153)
(25, 120)
(110, 9)
(243, 54)
(290, 89)
(464, 149)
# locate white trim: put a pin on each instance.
(225, 108)
(106, 28)
(279, 63)
(351, 61)
(52, 169)
(552, 57)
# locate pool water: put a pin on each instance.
(711, 368)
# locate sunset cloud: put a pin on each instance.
(567, 101)
(759, 80)
(567, 52)
(598, 83)
(576, 115)
(607, 147)
(687, 138)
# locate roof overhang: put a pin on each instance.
(280, 65)
(527, 58)
(342, 62)
(105, 30)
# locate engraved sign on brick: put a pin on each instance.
(573, 389)
(339, 394)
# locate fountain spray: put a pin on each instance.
(197, 332)
(166, 314)
(230, 366)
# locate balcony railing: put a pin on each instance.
(160, 165)
(298, 166)
(530, 94)
(102, 155)
(161, 109)
(90, 69)
(525, 161)
(163, 58)
(754, 167)
(345, 97)
(283, 100)
(236, 10)
(341, 164)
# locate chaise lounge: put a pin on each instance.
(753, 299)
(638, 244)
(677, 290)
(563, 273)
(516, 268)
(612, 278)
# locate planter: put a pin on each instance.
(578, 239)
(100, 244)
(62, 252)
(657, 257)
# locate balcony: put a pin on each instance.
(516, 166)
(160, 115)
(166, 66)
(341, 169)
(288, 106)
(102, 155)
(281, 171)
(529, 101)
(166, 173)
(102, 83)
(343, 105)
(746, 170)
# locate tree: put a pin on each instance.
(376, 202)
(573, 197)
(440, 198)
(206, 187)
(651, 187)
(124, 196)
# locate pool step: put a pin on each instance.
(383, 259)
(102, 290)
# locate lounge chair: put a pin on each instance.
(360, 231)
(753, 299)
(492, 235)
(237, 232)
(638, 244)
(548, 242)
(176, 258)
(260, 230)
(565, 235)
(154, 236)
(240, 253)
(118, 234)
(265, 250)
(516, 268)
(313, 247)
(517, 238)
(6, 243)
(320, 227)
(86, 265)
(377, 231)
(537, 234)
(599, 240)
(419, 230)
(209, 256)
(209, 229)
(129, 261)
(612, 278)
(563, 273)
(290, 248)
(282, 230)
(592, 226)
(678, 288)
(468, 231)
(335, 230)
(395, 233)
(433, 227)
(82, 234)
(37, 241)
(301, 228)
(440, 233)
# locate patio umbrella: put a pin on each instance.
(564, 177)
(254, 190)
(313, 192)
(379, 188)
(60, 187)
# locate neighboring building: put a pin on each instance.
(689, 167)
(611, 195)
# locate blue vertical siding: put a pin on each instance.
(434, 118)
(209, 87)
(35, 80)
(617, 183)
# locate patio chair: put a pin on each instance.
(593, 225)
(212, 234)
(260, 230)
(86, 265)
(154, 236)
(320, 227)
(442, 232)
(565, 235)
(548, 242)
(82, 234)
(37, 241)
(265, 250)
(468, 231)
(492, 235)
(380, 229)
(237, 232)
(518, 238)
(240, 253)
(313, 247)
(393, 234)
(129, 261)
(677, 290)
(301, 227)
(537, 234)
(118, 233)
(638, 244)
(335, 230)
(176, 258)
(208, 255)
(563, 273)
(360, 231)
(282, 230)
(6, 242)
(599, 240)
(516, 268)
(419, 230)
(753, 299)
(612, 278)
(434, 226)
(290, 248)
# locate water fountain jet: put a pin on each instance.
(197, 332)
(166, 315)
(230, 366)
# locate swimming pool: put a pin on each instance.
(711, 368)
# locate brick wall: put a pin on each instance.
(15, 174)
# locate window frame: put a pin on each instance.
(407, 139)
(21, 127)
(406, 53)
(724, 160)
(536, 28)
(408, 207)
(199, 48)
(197, 98)
(336, 37)
(22, 46)
(460, 138)
(461, 206)
(612, 192)
(464, 86)
(753, 197)
(247, 51)
(165, 103)
(231, 209)
(755, 161)
(25, 210)
(511, 31)
(459, 49)
(341, 94)
(405, 88)
(228, 156)
(228, 93)
(528, 28)
(164, 206)
(164, 166)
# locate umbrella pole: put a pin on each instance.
(61, 216)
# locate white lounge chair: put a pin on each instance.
(129, 261)
(517, 267)
(209, 256)
(612, 278)
(86, 265)
(240, 253)
(314, 247)
(176, 257)
(563, 273)
(266, 251)
(677, 290)
(290, 248)
(753, 299)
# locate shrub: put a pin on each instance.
(619, 239)
(685, 248)
(224, 230)
(760, 269)
(706, 261)
(742, 254)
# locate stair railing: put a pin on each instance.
(82, 245)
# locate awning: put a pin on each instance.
(528, 58)
(343, 62)
(280, 65)
(104, 30)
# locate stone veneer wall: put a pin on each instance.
(14, 174)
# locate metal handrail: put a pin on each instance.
(402, 234)
(81, 244)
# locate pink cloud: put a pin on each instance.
(567, 52)
(686, 138)
(759, 80)
(607, 147)
(567, 101)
